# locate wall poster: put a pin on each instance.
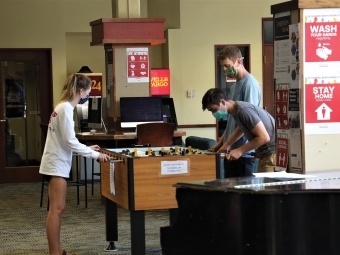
(282, 145)
(281, 45)
(322, 71)
(137, 65)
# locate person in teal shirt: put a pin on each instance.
(246, 88)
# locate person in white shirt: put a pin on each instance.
(56, 161)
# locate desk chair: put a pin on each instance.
(156, 134)
(93, 173)
(77, 182)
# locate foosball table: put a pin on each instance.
(142, 178)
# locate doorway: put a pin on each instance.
(25, 102)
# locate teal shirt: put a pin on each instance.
(247, 89)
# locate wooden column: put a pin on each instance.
(118, 34)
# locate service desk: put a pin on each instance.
(118, 140)
(253, 215)
(142, 182)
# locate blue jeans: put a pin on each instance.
(239, 168)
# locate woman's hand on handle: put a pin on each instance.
(95, 147)
(103, 158)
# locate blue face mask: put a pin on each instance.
(220, 115)
(84, 100)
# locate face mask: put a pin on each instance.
(231, 72)
(84, 100)
(220, 114)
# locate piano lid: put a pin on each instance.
(267, 184)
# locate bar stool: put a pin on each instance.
(94, 174)
(77, 183)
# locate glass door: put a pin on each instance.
(22, 99)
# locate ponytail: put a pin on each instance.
(72, 86)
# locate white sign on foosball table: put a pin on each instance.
(174, 167)
(112, 178)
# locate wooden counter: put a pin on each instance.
(115, 136)
(118, 140)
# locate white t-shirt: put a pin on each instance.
(61, 141)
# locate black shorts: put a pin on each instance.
(48, 177)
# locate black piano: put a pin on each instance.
(256, 216)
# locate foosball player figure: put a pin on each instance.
(125, 152)
(162, 152)
(176, 150)
(189, 150)
(149, 152)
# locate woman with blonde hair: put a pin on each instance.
(56, 161)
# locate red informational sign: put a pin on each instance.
(97, 83)
(322, 39)
(322, 102)
(281, 108)
(282, 153)
(160, 82)
(137, 65)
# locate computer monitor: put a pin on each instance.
(81, 117)
(139, 110)
(95, 112)
(169, 112)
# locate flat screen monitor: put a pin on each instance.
(95, 113)
(81, 117)
(139, 110)
(169, 112)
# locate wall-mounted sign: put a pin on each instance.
(322, 38)
(281, 110)
(282, 144)
(97, 83)
(322, 105)
(137, 65)
(160, 82)
(281, 46)
(321, 71)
